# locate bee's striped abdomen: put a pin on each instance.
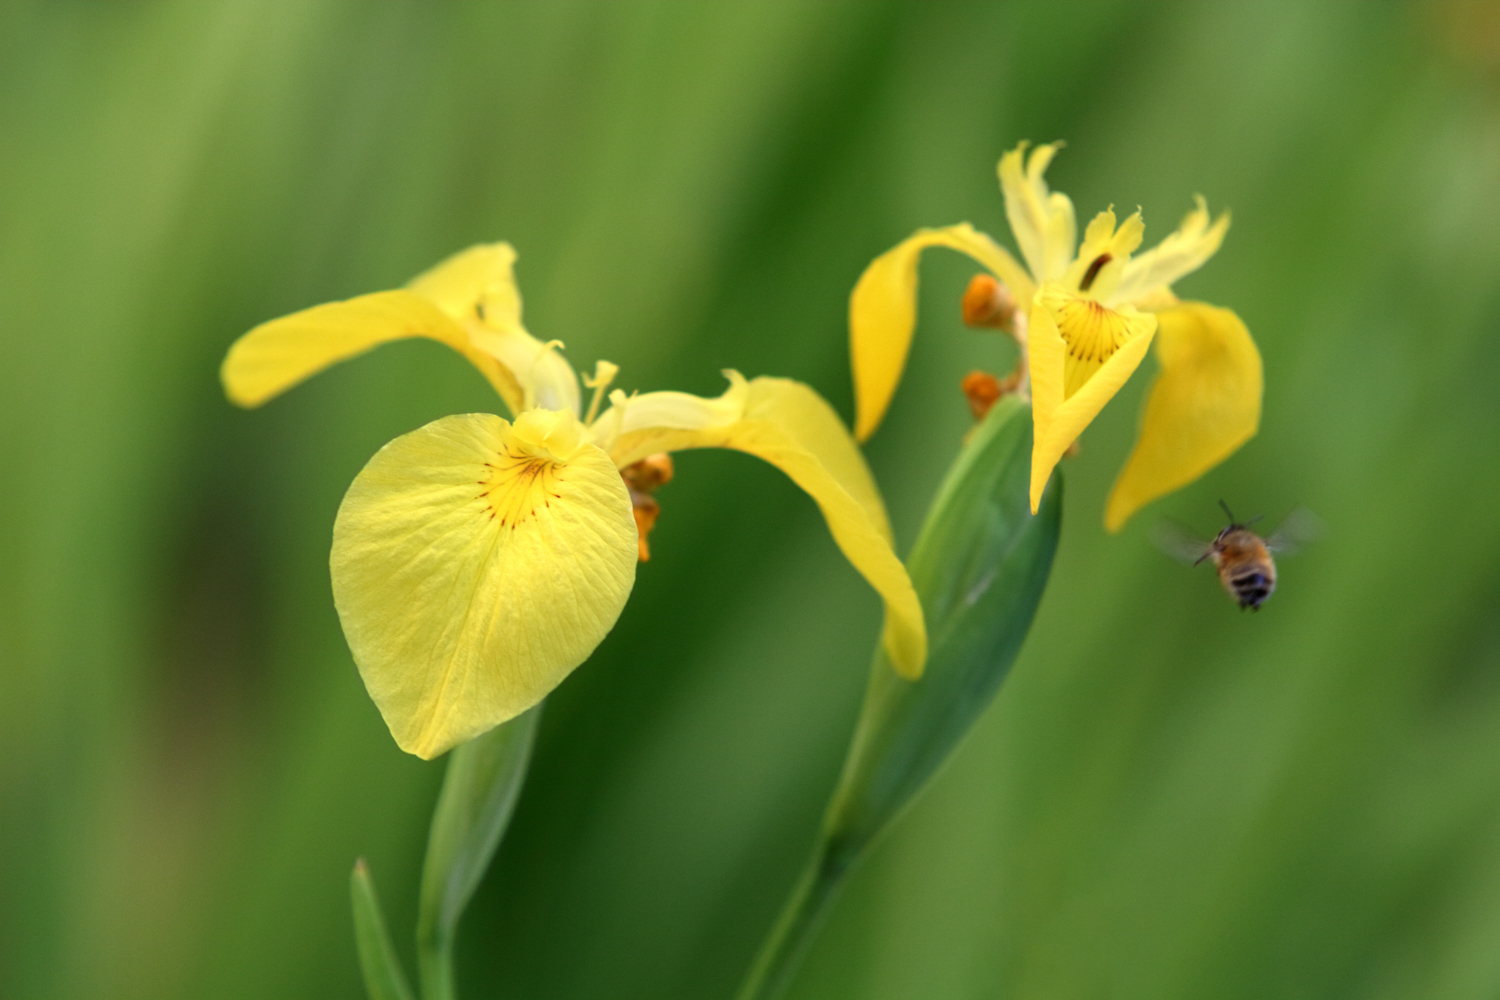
(1252, 589)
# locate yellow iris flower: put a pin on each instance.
(477, 561)
(1086, 319)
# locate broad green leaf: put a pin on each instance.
(479, 793)
(979, 565)
(384, 979)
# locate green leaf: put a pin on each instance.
(384, 979)
(480, 789)
(979, 566)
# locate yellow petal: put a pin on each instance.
(277, 355)
(1058, 415)
(1042, 221)
(475, 564)
(1204, 404)
(792, 427)
(477, 283)
(544, 375)
(478, 287)
(883, 312)
(1181, 253)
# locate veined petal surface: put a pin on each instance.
(883, 312)
(1059, 415)
(1043, 221)
(792, 427)
(1204, 404)
(277, 355)
(475, 564)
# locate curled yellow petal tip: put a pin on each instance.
(1204, 404)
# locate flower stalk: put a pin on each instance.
(979, 565)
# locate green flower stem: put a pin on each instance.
(979, 566)
(794, 930)
(479, 794)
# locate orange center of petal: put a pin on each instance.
(519, 485)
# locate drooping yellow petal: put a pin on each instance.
(277, 355)
(1204, 404)
(475, 564)
(1042, 221)
(1182, 252)
(883, 312)
(1060, 414)
(792, 427)
(478, 287)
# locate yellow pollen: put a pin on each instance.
(518, 486)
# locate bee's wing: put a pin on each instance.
(1300, 527)
(1179, 543)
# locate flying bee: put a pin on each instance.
(1243, 559)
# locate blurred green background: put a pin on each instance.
(1169, 799)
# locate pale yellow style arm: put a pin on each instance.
(883, 312)
(1185, 249)
(475, 564)
(1204, 404)
(792, 427)
(1042, 221)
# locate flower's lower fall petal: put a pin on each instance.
(277, 355)
(792, 427)
(883, 312)
(1204, 404)
(1058, 416)
(475, 564)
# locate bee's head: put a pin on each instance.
(1233, 524)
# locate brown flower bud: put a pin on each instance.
(983, 390)
(988, 303)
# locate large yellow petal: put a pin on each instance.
(478, 287)
(1042, 221)
(792, 427)
(1204, 404)
(475, 564)
(883, 312)
(1060, 416)
(1183, 251)
(277, 355)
